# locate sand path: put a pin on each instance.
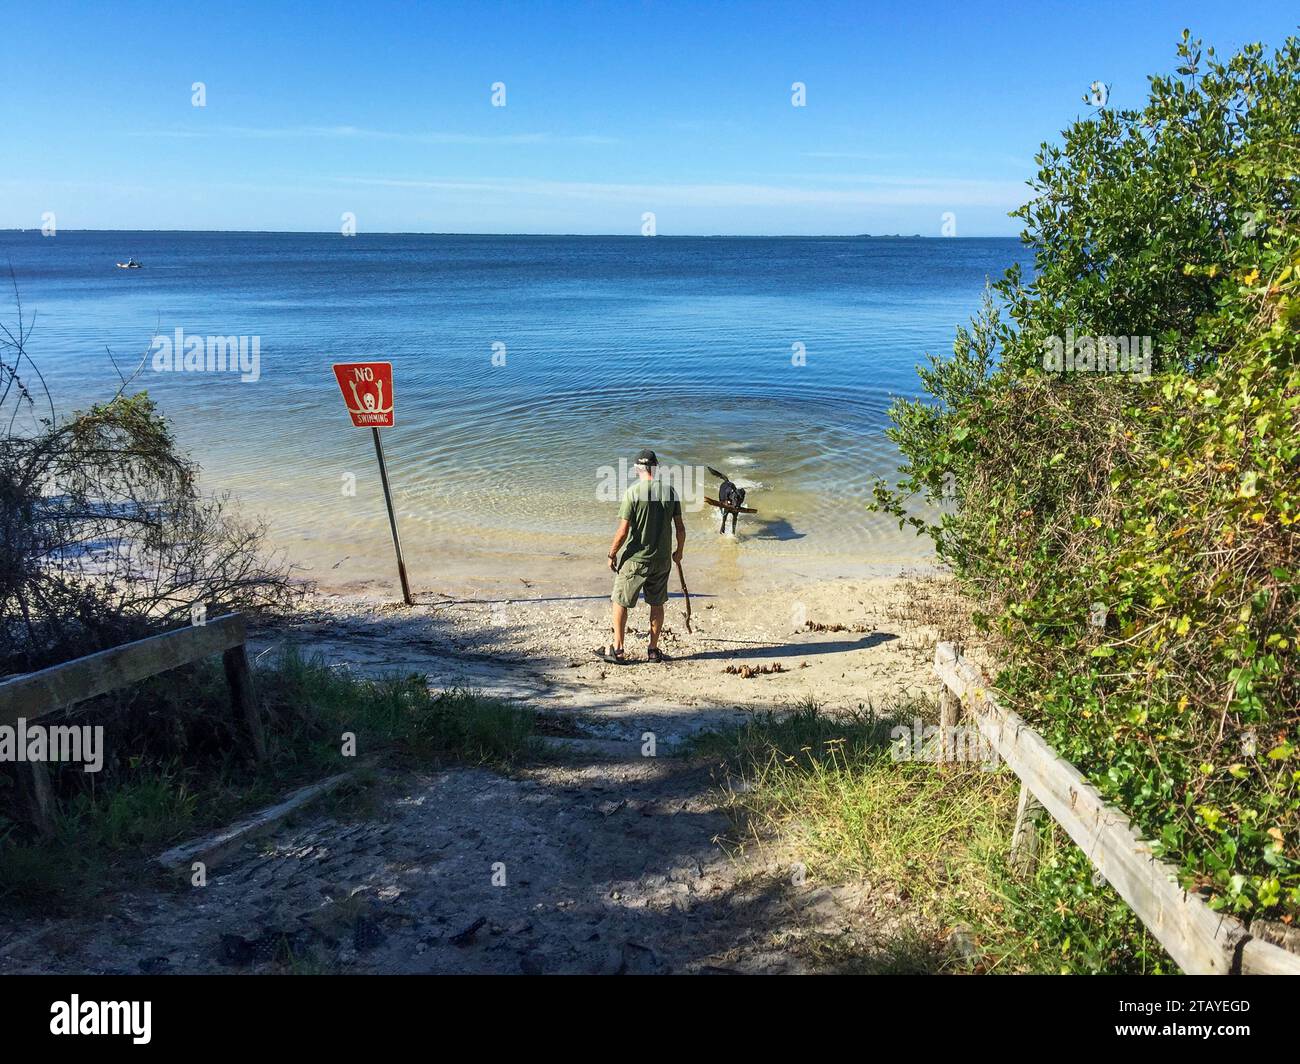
(590, 857)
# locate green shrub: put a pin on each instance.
(1132, 540)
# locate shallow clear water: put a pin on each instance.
(611, 344)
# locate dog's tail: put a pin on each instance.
(720, 476)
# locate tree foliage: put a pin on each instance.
(104, 534)
(1133, 539)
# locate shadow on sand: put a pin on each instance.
(738, 649)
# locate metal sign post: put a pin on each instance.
(367, 389)
(392, 520)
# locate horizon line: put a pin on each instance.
(594, 236)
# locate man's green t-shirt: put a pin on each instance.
(649, 507)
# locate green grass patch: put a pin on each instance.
(315, 704)
(830, 793)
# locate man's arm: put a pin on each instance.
(680, 527)
(619, 536)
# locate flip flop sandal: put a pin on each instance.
(610, 655)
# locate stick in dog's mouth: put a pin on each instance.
(731, 500)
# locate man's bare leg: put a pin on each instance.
(656, 624)
(620, 624)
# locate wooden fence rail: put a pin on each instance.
(37, 693)
(1200, 940)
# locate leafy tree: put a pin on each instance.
(1166, 505)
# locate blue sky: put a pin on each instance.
(612, 110)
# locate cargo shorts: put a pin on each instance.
(637, 578)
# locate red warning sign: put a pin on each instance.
(367, 389)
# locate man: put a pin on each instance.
(650, 508)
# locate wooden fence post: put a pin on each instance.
(40, 799)
(949, 717)
(243, 695)
(1024, 839)
(949, 713)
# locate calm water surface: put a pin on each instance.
(610, 343)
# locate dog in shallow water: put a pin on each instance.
(730, 500)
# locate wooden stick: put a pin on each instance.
(682, 578)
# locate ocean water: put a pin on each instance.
(690, 346)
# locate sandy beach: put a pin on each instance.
(765, 643)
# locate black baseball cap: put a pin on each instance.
(647, 457)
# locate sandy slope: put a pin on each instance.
(589, 858)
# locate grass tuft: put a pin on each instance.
(826, 791)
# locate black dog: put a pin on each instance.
(731, 500)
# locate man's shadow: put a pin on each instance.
(777, 650)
